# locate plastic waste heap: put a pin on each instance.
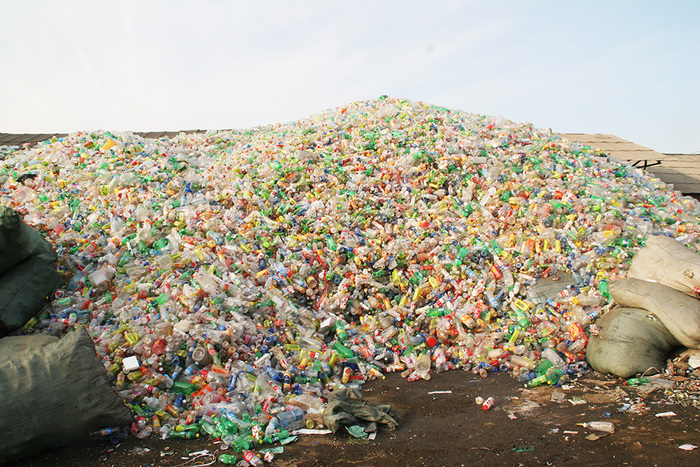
(231, 278)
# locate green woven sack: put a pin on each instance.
(25, 289)
(18, 241)
(53, 392)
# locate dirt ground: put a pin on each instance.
(524, 427)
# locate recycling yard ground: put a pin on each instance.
(525, 427)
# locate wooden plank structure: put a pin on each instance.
(680, 170)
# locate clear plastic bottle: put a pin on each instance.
(608, 427)
(553, 356)
(252, 458)
(422, 366)
(522, 362)
(440, 360)
(290, 419)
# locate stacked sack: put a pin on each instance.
(52, 391)
(657, 310)
(28, 275)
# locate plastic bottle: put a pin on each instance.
(526, 376)
(240, 444)
(488, 403)
(422, 366)
(242, 425)
(183, 434)
(555, 377)
(607, 427)
(276, 436)
(342, 350)
(227, 458)
(210, 429)
(554, 357)
(252, 458)
(636, 381)
(290, 419)
(225, 426)
(544, 367)
(534, 382)
(508, 279)
(522, 362)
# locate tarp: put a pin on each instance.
(346, 407)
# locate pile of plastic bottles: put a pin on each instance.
(225, 275)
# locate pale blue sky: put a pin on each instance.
(628, 68)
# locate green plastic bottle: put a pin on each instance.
(536, 381)
(604, 288)
(553, 376)
(277, 436)
(183, 434)
(543, 367)
(342, 350)
(228, 459)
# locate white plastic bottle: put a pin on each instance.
(607, 427)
